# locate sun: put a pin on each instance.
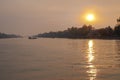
(90, 17)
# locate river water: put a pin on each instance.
(59, 59)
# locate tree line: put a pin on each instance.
(86, 31)
(3, 35)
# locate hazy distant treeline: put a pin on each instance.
(85, 32)
(3, 35)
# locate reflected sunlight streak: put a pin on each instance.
(90, 51)
(92, 72)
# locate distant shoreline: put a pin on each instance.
(5, 36)
(82, 38)
(85, 32)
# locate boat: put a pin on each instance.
(32, 37)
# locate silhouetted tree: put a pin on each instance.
(106, 32)
(86, 32)
(3, 35)
(117, 30)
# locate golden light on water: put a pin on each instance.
(90, 44)
(90, 51)
(92, 71)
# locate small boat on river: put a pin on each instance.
(32, 37)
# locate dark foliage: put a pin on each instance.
(86, 32)
(117, 30)
(3, 35)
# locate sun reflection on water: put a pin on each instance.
(92, 71)
(90, 51)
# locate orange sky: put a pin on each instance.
(36, 16)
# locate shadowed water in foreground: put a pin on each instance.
(59, 59)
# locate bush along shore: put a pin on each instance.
(3, 35)
(85, 32)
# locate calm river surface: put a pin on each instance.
(59, 59)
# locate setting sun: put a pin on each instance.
(90, 17)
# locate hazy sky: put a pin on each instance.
(36, 16)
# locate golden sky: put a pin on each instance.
(36, 16)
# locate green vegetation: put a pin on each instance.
(86, 32)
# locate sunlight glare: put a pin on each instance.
(92, 72)
(90, 50)
(90, 17)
